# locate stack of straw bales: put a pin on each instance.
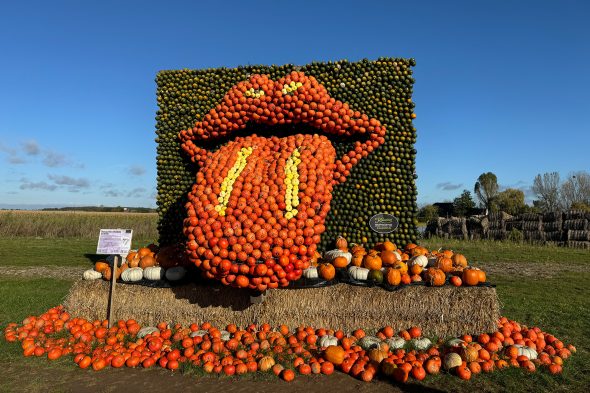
(440, 311)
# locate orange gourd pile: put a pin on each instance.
(282, 351)
(400, 267)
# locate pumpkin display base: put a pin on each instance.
(439, 311)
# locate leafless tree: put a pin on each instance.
(576, 189)
(546, 187)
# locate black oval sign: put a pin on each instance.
(383, 223)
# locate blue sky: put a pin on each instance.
(501, 86)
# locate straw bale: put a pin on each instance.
(552, 216)
(497, 234)
(554, 236)
(531, 225)
(578, 235)
(552, 226)
(531, 217)
(442, 311)
(574, 215)
(534, 236)
(577, 244)
(578, 225)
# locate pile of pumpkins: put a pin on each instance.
(147, 263)
(386, 264)
(286, 352)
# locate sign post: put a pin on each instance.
(116, 242)
(112, 291)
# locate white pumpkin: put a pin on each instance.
(91, 274)
(329, 256)
(369, 342)
(358, 273)
(311, 272)
(526, 351)
(421, 344)
(395, 342)
(327, 340)
(144, 331)
(198, 333)
(456, 343)
(132, 275)
(419, 260)
(225, 335)
(175, 273)
(452, 360)
(154, 273)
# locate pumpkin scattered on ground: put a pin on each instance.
(260, 348)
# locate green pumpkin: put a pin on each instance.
(376, 276)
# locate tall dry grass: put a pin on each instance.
(82, 225)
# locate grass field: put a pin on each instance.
(541, 286)
(79, 225)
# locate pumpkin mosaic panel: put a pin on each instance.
(281, 160)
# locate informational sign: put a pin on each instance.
(383, 223)
(114, 241)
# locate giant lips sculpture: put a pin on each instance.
(257, 209)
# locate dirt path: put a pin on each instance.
(57, 272)
(45, 378)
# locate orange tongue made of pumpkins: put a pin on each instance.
(230, 231)
(259, 198)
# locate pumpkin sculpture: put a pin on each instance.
(252, 194)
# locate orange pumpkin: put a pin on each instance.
(394, 276)
(315, 258)
(101, 266)
(389, 246)
(143, 252)
(334, 354)
(388, 257)
(358, 248)
(135, 261)
(435, 277)
(416, 269)
(377, 355)
(481, 275)
(402, 266)
(106, 274)
(341, 243)
(470, 277)
(459, 260)
(372, 260)
(327, 271)
(357, 259)
(419, 251)
(147, 261)
(445, 264)
(340, 262)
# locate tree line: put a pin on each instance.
(552, 194)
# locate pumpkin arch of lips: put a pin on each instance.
(228, 246)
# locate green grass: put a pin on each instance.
(492, 251)
(558, 304)
(52, 252)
